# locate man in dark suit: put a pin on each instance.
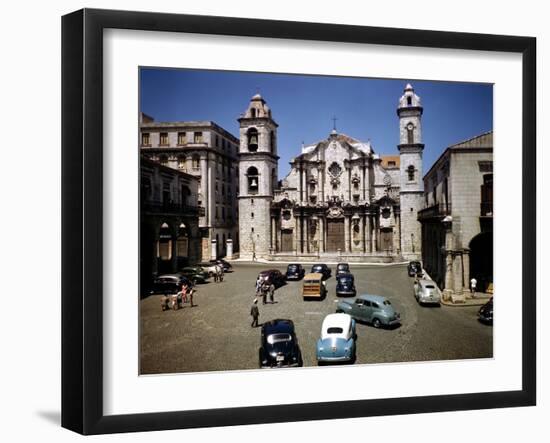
(255, 313)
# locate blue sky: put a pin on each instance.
(304, 105)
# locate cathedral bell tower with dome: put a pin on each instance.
(258, 174)
(411, 191)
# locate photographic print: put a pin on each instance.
(292, 220)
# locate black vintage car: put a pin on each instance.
(279, 346)
(485, 313)
(272, 277)
(321, 268)
(342, 268)
(168, 284)
(345, 285)
(295, 271)
(414, 269)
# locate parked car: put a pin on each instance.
(426, 291)
(272, 277)
(168, 284)
(209, 267)
(342, 268)
(337, 342)
(295, 271)
(226, 265)
(197, 274)
(414, 268)
(345, 285)
(374, 309)
(485, 313)
(321, 268)
(314, 286)
(279, 345)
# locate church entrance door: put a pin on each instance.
(286, 240)
(335, 234)
(386, 239)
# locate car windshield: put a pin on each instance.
(292, 267)
(343, 267)
(346, 279)
(317, 268)
(430, 287)
(278, 338)
(334, 330)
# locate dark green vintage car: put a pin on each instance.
(197, 274)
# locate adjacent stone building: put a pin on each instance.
(169, 220)
(340, 197)
(457, 220)
(208, 152)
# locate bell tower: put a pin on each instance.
(258, 173)
(411, 191)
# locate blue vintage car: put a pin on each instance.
(374, 309)
(337, 342)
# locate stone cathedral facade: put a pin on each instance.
(339, 199)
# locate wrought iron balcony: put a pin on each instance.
(172, 208)
(439, 210)
(486, 209)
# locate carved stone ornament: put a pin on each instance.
(335, 212)
(387, 180)
(355, 179)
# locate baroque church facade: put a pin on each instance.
(340, 198)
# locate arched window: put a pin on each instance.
(409, 100)
(272, 142)
(252, 139)
(253, 113)
(410, 133)
(253, 180)
(410, 173)
(196, 161)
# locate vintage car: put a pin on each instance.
(197, 274)
(427, 292)
(226, 265)
(168, 284)
(485, 313)
(414, 269)
(374, 309)
(345, 285)
(342, 268)
(271, 277)
(321, 268)
(337, 342)
(208, 267)
(295, 271)
(314, 286)
(279, 345)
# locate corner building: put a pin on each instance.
(339, 199)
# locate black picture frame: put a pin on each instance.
(82, 218)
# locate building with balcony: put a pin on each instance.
(169, 220)
(457, 220)
(207, 151)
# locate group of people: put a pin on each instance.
(263, 289)
(186, 294)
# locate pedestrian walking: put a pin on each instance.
(263, 293)
(191, 292)
(473, 284)
(271, 293)
(220, 272)
(255, 313)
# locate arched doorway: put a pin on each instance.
(182, 246)
(481, 259)
(164, 249)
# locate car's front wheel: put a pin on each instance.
(376, 322)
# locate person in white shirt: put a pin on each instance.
(473, 284)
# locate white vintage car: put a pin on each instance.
(337, 342)
(426, 291)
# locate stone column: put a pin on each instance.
(214, 250)
(229, 248)
(466, 268)
(363, 236)
(321, 234)
(297, 234)
(346, 233)
(211, 200)
(306, 234)
(173, 253)
(273, 235)
(457, 275)
(397, 237)
(372, 247)
(204, 188)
